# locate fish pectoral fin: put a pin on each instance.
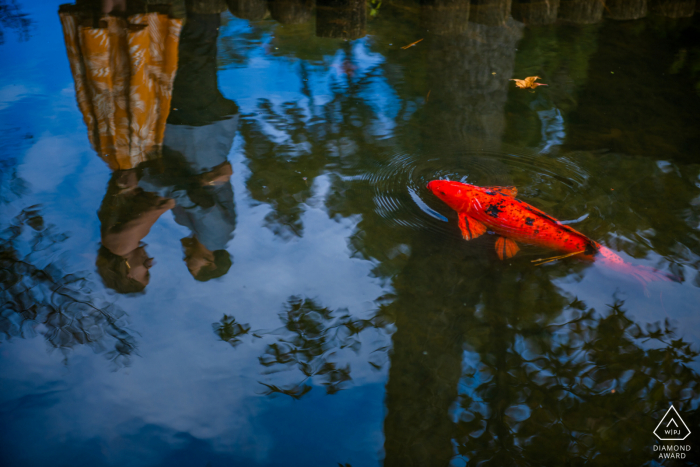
(471, 228)
(506, 248)
(504, 190)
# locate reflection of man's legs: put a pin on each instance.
(199, 135)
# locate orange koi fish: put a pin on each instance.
(497, 209)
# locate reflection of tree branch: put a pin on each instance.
(230, 331)
(294, 391)
(66, 306)
(591, 374)
(11, 17)
(311, 336)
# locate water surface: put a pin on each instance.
(218, 247)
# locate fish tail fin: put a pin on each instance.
(643, 274)
(646, 274)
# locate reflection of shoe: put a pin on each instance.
(219, 109)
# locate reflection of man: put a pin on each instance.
(198, 138)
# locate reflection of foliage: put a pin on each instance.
(311, 336)
(11, 17)
(313, 333)
(61, 306)
(288, 146)
(239, 41)
(373, 7)
(230, 331)
(589, 388)
(11, 185)
(280, 171)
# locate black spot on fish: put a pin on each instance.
(489, 192)
(493, 210)
(529, 220)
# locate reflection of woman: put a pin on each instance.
(127, 215)
(123, 64)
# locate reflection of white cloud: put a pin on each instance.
(49, 161)
(13, 93)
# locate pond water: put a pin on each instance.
(218, 247)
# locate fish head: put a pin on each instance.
(456, 195)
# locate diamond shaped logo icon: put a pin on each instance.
(672, 427)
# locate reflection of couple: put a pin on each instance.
(124, 69)
(197, 190)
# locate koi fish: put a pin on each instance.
(496, 209)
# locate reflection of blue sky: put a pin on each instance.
(187, 396)
(279, 80)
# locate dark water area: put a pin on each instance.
(217, 245)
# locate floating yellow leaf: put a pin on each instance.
(411, 44)
(528, 83)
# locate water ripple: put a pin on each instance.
(398, 188)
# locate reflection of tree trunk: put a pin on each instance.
(673, 8)
(445, 16)
(426, 359)
(489, 12)
(206, 7)
(468, 80)
(341, 19)
(291, 11)
(626, 9)
(253, 10)
(581, 11)
(535, 12)
(647, 124)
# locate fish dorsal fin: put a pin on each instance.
(504, 190)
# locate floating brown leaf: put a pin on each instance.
(528, 83)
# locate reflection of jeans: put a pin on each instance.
(212, 222)
(209, 211)
(202, 147)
